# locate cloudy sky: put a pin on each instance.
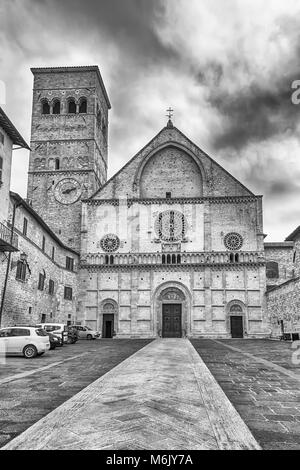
(225, 66)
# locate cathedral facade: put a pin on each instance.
(172, 245)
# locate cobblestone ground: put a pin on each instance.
(262, 383)
(23, 401)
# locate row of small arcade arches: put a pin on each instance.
(73, 106)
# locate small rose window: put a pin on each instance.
(110, 242)
(233, 241)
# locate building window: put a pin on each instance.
(30, 310)
(42, 277)
(43, 320)
(56, 107)
(69, 263)
(1, 168)
(45, 107)
(25, 225)
(104, 129)
(43, 243)
(68, 293)
(233, 241)
(57, 164)
(272, 270)
(51, 287)
(83, 106)
(53, 253)
(71, 106)
(171, 226)
(110, 242)
(21, 271)
(168, 195)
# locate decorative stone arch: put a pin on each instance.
(45, 106)
(109, 306)
(142, 165)
(71, 105)
(236, 308)
(167, 293)
(82, 104)
(56, 100)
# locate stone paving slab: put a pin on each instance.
(162, 397)
(262, 386)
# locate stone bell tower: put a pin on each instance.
(69, 131)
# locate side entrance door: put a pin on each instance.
(108, 326)
(171, 321)
(236, 327)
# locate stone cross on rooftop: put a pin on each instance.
(170, 112)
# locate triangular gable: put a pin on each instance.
(218, 181)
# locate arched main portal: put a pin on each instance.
(172, 307)
(108, 318)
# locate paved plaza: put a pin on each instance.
(262, 382)
(163, 394)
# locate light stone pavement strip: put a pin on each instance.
(266, 363)
(163, 397)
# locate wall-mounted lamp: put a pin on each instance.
(23, 256)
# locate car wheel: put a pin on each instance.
(89, 337)
(30, 351)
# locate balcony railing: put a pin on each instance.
(204, 258)
(8, 239)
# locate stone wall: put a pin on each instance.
(216, 181)
(283, 254)
(209, 292)
(283, 303)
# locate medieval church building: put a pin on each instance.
(172, 245)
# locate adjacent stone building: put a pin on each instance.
(42, 277)
(283, 286)
(10, 138)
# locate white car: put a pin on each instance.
(26, 341)
(85, 332)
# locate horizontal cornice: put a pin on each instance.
(183, 200)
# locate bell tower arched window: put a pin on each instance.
(56, 107)
(45, 107)
(71, 106)
(83, 106)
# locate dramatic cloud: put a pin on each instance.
(225, 67)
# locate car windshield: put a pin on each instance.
(41, 332)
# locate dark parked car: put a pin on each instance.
(54, 340)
